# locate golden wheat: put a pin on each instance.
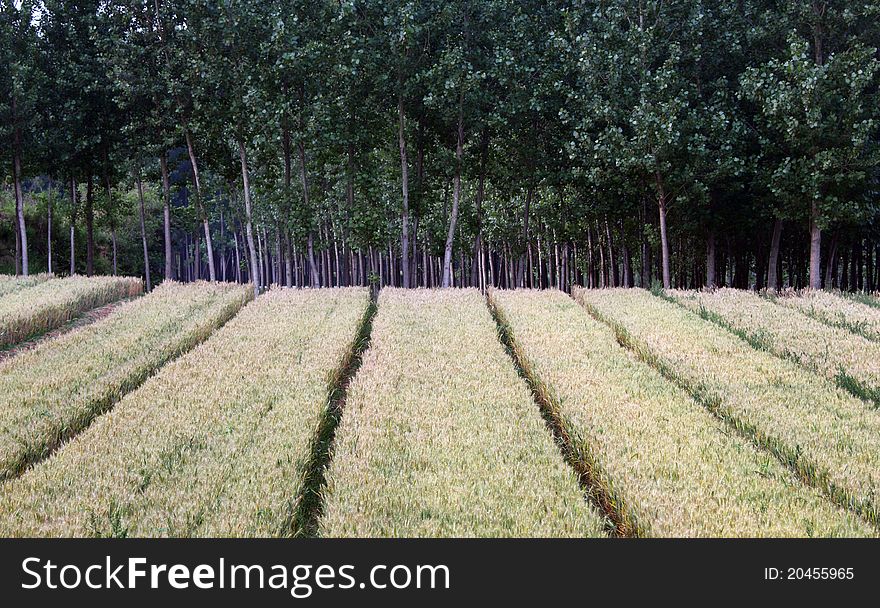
(214, 444)
(53, 391)
(11, 284)
(439, 436)
(823, 432)
(674, 468)
(838, 354)
(50, 304)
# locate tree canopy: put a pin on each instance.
(414, 143)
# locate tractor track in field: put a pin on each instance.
(308, 509)
(84, 320)
(588, 471)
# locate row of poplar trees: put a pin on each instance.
(512, 143)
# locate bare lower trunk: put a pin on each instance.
(19, 200)
(664, 245)
(140, 190)
(773, 261)
(49, 230)
(73, 205)
(404, 172)
(456, 196)
(663, 205)
(249, 229)
(288, 262)
(90, 226)
(209, 247)
(166, 216)
(115, 248)
(710, 260)
(521, 265)
(314, 279)
(815, 248)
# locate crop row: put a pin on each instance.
(11, 284)
(50, 304)
(836, 310)
(670, 467)
(840, 355)
(827, 436)
(52, 392)
(215, 444)
(440, 437)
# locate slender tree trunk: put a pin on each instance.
(237, 260)
(90, 226)
(314, 279)
(249, 229)
(815, 248)
(627, 266)
(288, 262)
(664, 236)
(710, 260)
(49, 228)
(115, 248)
(166, 215)
(140, 190)
(19, 198)
(456, 195)
(773, 260)
(612, 263)
(200, 207)
(73, 206)
(404, 182)
(520, 270)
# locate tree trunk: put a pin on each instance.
(115, 249)
(773, 260)
(815, 248)
(200, 206)
(249, 229)
(404, 182)
(90, 225)
(49, 228)
(520, 270)
(664, 236)
(166, 216)
(612, 263)
(288, 262)
(710, 260)
(19, 198)
(456, 195)
(73, 205)
(140, 190)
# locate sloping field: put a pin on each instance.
(52, 392)
(836, 310)
(440, 437)
(669, 466)
(50, 304)
(11, 284)
(850, 360)
(825, 434)
(215, 444)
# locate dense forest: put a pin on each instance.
(443, 143)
